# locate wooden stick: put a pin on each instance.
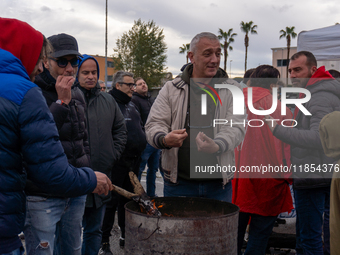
(137, 187)
(123, 192)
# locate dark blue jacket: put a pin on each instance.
(28, 133)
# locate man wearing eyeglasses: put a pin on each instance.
(122, 88)
(54, 215)
(102, 86)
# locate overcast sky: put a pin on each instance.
(181, 20)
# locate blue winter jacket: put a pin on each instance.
(28, 133)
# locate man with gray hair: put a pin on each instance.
(102, 86)
(122, 88)
(168, 125)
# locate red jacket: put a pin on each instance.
(269, 194)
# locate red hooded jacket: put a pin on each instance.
(266, 195)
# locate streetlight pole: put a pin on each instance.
(230, 68)
(281, 62)
(106, 45)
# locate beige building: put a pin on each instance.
(110, 68)
(279, 59)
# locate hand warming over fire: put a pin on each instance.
(206, 144)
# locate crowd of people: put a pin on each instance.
(65, 141)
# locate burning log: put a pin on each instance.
(137, 187)
(139, 196)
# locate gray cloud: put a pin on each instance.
(45, 9)
(181, 20)
(283, 8)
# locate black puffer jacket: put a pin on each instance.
(136, 140)
(306, 147)
(143, 104)
(71, 125)
(107, 135)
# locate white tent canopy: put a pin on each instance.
(324, 43)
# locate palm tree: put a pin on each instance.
(288, 34)
(247, 27)
(185, 49)
(228, 39)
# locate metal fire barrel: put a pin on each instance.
(187, 226)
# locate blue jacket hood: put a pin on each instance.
(12, 69)
(82, 60)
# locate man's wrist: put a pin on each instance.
(61, 102)
(165, 144)
(161, 144)
(222, 146)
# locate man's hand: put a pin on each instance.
(175, 138)
(206, 144)
(63, 87)
(104, 184)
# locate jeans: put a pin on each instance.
(53, 225)
(260, 229)
(310, 207)
(92, 234)
(150, 156)
(19, 251)
(208, 189)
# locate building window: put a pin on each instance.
(282, 62)
(109, 77)
(110, 64)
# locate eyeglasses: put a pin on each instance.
(63, 62)
(131, 85)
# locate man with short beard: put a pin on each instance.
(311, 187)
(143, 101)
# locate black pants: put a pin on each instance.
(120, 177)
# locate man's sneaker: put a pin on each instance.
(281, 221)
(22, 236)
(121, 242)
(105, 249)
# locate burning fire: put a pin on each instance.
(168, 215)
(153, 209)
(161, 206)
